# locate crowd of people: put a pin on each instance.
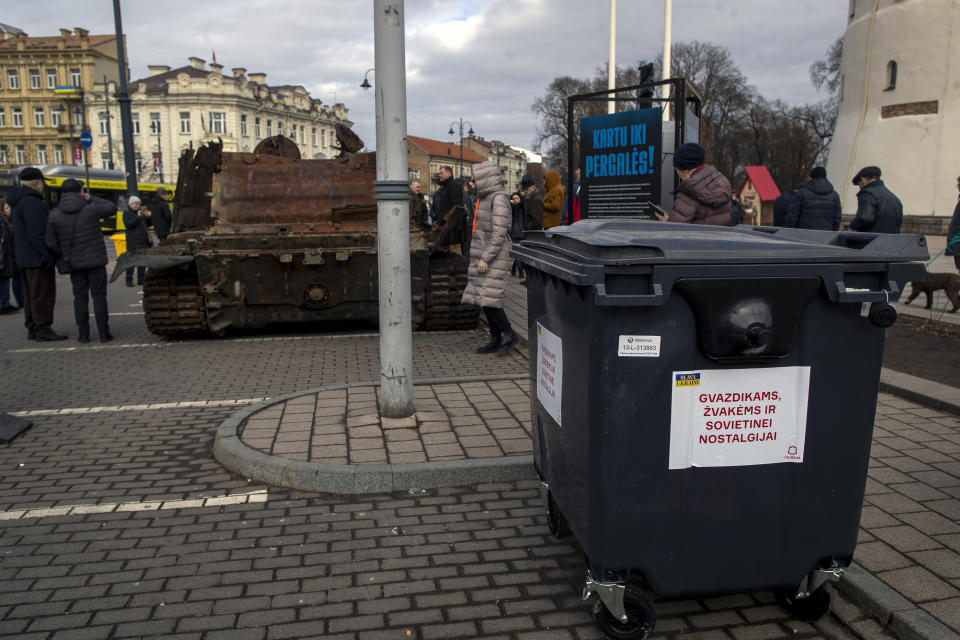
(36, 244)
(703, 196)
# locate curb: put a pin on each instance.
(894, 612)
(926, 392)
(230, 451)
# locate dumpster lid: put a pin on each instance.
(625, 241)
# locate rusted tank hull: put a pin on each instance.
(269, 239)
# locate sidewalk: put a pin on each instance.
(907, 565)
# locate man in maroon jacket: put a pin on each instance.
(703, 195)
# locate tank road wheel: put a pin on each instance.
(809, 609)
(556, 523)
(641, 616)
(448, 278)
(172, 303)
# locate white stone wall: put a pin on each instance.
(918, 154)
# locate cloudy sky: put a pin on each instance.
(485, 61)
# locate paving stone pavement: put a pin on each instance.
(116, 521)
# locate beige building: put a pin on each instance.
(512, 163)
(40, 124)
(900, 106)
(175, 109)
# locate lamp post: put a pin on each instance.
(106, 108)
(460, 124)
(159, 166)
(365, 85)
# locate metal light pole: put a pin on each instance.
(126, 120)
(106, 102)
(393, 218)
(612, 64)
(667, 26)
(159, 153)
(85, 150)
(460, 124)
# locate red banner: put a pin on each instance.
(78, 154)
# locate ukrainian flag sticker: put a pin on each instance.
(688, 379)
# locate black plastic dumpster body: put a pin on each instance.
(642, 312)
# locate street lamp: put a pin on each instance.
(460, 124)
(365, 85)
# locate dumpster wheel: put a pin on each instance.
(808, 609)
(641, 616)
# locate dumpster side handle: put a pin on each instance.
(629, 300)
(865, 295)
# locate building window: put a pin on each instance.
(184, 122)
(51, 78)
(256, 128)
(891, 75)
(302, 134)
(77, 116)
(17, 116)
(13, 79)
(293, 132)
(105, 160)
(218, 122)
(55, 117)
(34, 78)
(269, 127)
(38, 117)
(139, 161)
(21, 154)
(154, 123)
(135, 118)
(279, 128)
(313, 136)
(58, 154)
(3, 154)
(323, 137)
(3, 117)
(41, 154)
(243, 125)
(104, 119)
(75, 77)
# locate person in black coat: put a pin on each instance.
(136, 221)
(9, 273)
(781, 205)
(160, 214)
(29, 215)
(953, 233)
(74, 234)
(449, 195)
(815, 205)
(878, 210)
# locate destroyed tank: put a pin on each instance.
(267, 237)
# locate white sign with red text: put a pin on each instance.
(738, 417)
(549, 371)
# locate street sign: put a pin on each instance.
(86, 139)
(78, 154)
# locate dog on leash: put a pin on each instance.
(949, 282)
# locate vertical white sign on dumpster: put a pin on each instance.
(549, 371)
(738, 417)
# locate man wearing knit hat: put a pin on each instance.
(878, 209)
(703, 195)
(815, 205)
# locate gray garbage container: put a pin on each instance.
(703, 402)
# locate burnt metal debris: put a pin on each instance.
(267, 237)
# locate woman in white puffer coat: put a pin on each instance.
(490, 256)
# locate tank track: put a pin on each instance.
(448, 278)
(173, 305)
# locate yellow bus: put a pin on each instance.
(104, 183)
